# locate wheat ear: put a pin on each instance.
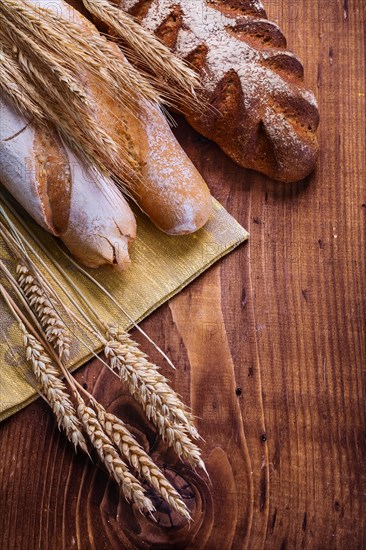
(131, 487)
(163, 397)
(140, 460)
(54, 389)
(19, 42)
(45, 59)
(47, 374)
(54, 328)
(17, 88)
(79, 47)
(175, 78)
(144, 387)
(49, 379)
(76, 126)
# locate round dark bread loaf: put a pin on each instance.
(264, 117)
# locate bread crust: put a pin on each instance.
(170, 190)
(263, 118)
(62, 194)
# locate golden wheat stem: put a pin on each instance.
(131, 487)
(140, 460)
(144, 388)
(149, 376)
(55, 329)
(49, 379)
(148, 51)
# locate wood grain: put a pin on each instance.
(270, 345)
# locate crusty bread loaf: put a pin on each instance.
(63, 195)
(265, 118)
(171, 191)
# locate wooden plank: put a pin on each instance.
(270, 346)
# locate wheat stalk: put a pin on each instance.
(148, 375)
(144, 387)
(33, 65)
(76, 126)
(20, 43)
(73, 420)
(131, 487)
(149, 52)
(17, 88)
(54, 390)
(140, 460)
(50, 65)
(55, 329)
(79, 47)
(107, 433)
(146, 381)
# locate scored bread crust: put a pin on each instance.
(64, 196)
(263, 117)
(170, 190)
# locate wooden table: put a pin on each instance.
(270, 345)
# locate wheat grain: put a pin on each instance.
(53, 388)
(140, 460)
(149, 52)
(162, 397)
(131, 487)
(144, 386)
(55, 329)
(78, 46)
(47, 65)
(63, 101)
(17, 88)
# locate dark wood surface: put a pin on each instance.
(270, 345)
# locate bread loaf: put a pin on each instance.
(170, 191)
(264, 117)
(64, 196)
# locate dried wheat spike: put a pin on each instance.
(140, 460)
(131, 487)
(155, 396)
(53, 389)
(163, 397)
(17, 88)
(55, 329)
(16, 39)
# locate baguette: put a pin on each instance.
(170, 190)
(264, 117)
(63, 195)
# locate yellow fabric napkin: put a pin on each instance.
(161, 266)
